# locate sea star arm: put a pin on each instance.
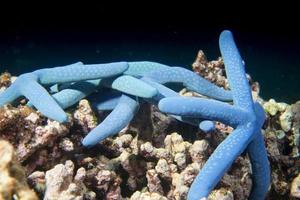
(163, 74)
(259, 160)
(235, 70)
(40, 98)
(70, 96)
(130, 85)
(163, 92)
(220, 161)
(11, 93)
(78, 72)
(203, 108)
(239, 139)
(105, 100)
(260, 167)
(72, 93)
(141, 68)
(190, 80)
(242, 98)
(74, 72)
(118, 119)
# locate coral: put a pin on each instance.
(23, 128)
(295, 187)
(154, 183)
(213, 71)
(12, 176)
(221, 194)
(281, 133)
(147, 196)
(247, 117)
(5, 81)
(37, 181)
(154, 156)
(60, 183)
(272, 107)
(84, 116)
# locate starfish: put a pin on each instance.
(123, 77)
(244, 115)
(29, 84)
(124, 102)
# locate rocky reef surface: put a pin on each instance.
(156, 157)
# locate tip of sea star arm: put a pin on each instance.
(43, 101)
(235, 70)
(105, 99)
(207, 126)
(133, 86)
(118, 119)
(10, 94)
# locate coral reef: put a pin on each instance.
(60, 183)
(154, 157)
(12, 176)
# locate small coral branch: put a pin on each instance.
(12, 176)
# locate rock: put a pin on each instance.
(272, 107)
(147, 196)
(154, 183)
(286, 119)
(38, 182)
(60, 183)
(295, 187)
(84, 116)
(221, 194)
(12, 176)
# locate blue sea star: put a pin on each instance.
(124, 106)
(146, 88)
(29, 84)
(245, 116)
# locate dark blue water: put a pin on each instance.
(271, 60)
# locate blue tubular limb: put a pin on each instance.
(36, 94)
(11, 93)
(42, 100)
(207, 126)
(247, 131)
(105, 100)
(190, 80)
(130, 85)
(141, 68)
(118, 119)
(163, 92)
(235, 71)
(79, 72)
(77, 91)
(259, 160)
(203, 108)
(215, 167)
(260, 167)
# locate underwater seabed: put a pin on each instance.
(155, 157)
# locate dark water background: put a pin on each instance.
(270, 52)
